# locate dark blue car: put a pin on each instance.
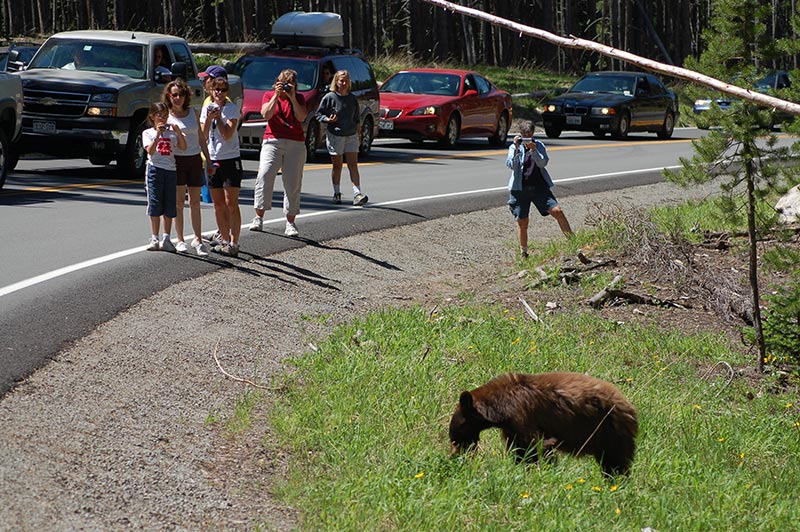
(615, 103)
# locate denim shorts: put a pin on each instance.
(519, 201)
(161, 194)
(339, 145)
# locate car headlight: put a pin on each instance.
(551, 108)
(604, 111)
(102, 110)
(427, 110)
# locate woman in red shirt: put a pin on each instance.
(283, 147)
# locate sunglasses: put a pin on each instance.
(219, 90)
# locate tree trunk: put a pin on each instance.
(750, 175)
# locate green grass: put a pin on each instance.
(366, 418)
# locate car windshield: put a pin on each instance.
(98, 56)
(423, 83)
(611, 84)
(260, 73)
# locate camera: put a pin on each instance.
(212, 107)
(162, 127)
(286, 86)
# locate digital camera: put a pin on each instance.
(212, 107)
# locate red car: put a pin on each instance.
(443, 105)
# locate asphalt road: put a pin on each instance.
(75, 237)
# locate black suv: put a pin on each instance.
(259, 70)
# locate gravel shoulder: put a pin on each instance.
(127, 428)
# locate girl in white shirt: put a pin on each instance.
(189, 163)
(159, 142)
(220, 120)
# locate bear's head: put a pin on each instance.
(466, 425)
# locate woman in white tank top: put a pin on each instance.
(189, 162)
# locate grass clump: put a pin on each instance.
(365, 419)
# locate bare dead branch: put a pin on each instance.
(647, 64)
(233, 377)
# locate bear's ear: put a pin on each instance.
(465, 401)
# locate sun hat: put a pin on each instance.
(214, 71)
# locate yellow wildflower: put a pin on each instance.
(617, 511)
(614, 488)
(419, 475)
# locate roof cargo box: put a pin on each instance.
(308, 29)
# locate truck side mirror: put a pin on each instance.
(179, 70)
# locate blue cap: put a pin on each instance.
(214, 71)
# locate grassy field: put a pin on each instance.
(364, 419)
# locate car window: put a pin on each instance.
(326, 72)
(642, 87)
(361, 74)
(260, 72)
(182, 53)
(483, 85)
(656, 88)
(100, 56)
(611, 84)
(469, 83)
(423, 83)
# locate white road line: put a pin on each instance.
(4, 291)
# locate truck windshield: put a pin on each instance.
(98, 56)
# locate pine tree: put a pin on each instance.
(743, 149)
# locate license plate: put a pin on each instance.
(574, 120)
(44, 126)
(386, 124)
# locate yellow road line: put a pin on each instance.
(60, 188)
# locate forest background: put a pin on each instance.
(665, 30)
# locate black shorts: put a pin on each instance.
(190, 170)
(228, 173)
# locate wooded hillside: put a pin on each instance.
(665, 30)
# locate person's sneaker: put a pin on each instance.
(215, 239)
(337, 198)
(233, 250)
(360, 199)
(257, 223)
(291, 229)
(181, 247)
(200, 247)
(167, 245)
(153, 245)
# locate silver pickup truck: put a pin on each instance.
(10, 120)
(87, 94)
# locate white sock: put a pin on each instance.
(356, 190)
(165, 236)
(154, 237)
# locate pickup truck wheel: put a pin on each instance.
(312, 136)
(366, 137)
(5, 157)
(131, 164)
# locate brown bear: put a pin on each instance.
(570, 412)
